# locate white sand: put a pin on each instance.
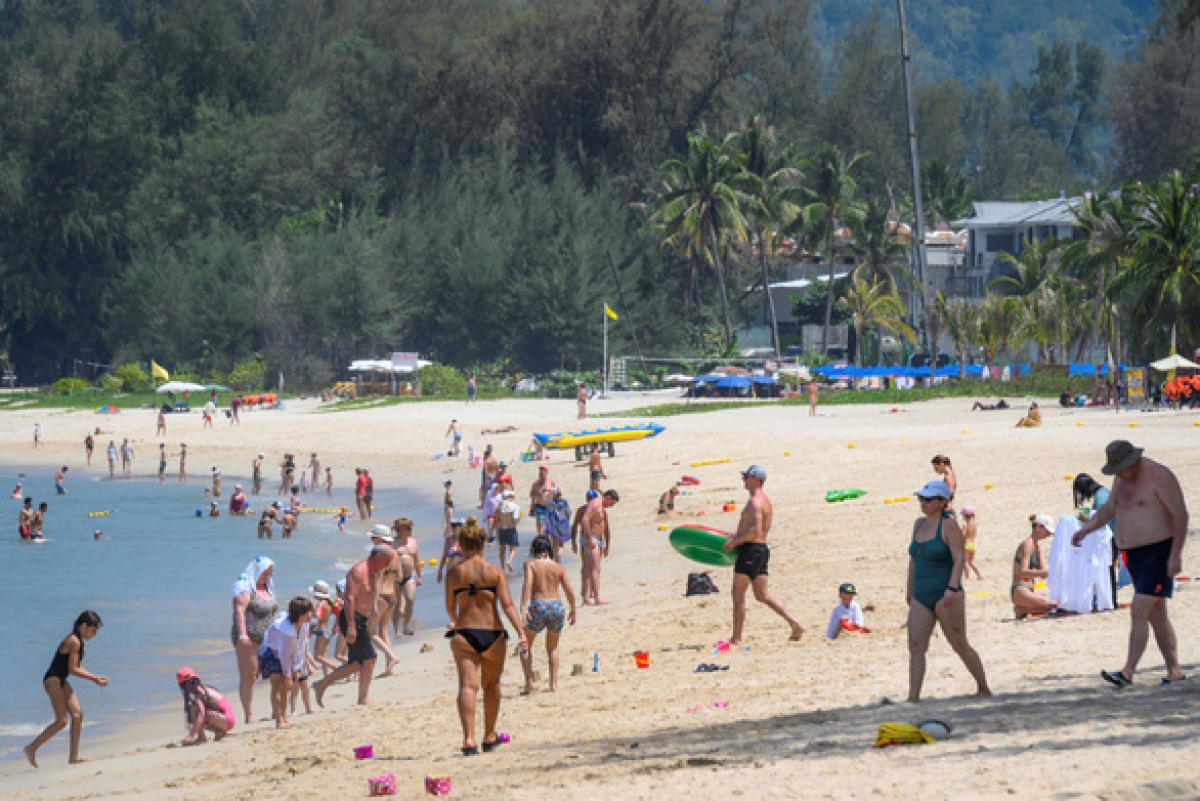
(801, 717)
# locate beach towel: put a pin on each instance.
(558, 520)
(1079, 577)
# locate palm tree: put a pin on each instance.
(1106, 223)
(1034, 268)
(961, 320)
(1002, 320)
(874, 304)
(1163, 273)
(775, 191)
(946, 194)
(877, 241)
(830, 193)
(700, 210)
(882, 255)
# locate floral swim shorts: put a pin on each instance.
(547, 615)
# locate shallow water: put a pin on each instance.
(160, 579)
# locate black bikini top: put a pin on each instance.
(471, 589)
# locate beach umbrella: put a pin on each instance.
(733, 382)
(1173, 362)
(677, 377)
(763, 379)
(217, 387)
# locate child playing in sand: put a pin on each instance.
(277, 656)
(969, 531)
(847, 615)
(666, 502)
(205, 709)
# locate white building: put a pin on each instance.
(997, 227)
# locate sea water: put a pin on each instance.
(160, 577)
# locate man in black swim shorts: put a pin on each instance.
(750, 570)
(1151, 525)
(362, 596)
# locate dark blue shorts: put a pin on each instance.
(1148, 566)
(508, 536)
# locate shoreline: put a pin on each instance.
(798, 714)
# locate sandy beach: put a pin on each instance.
(800, 718)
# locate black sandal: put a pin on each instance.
(472, 751)
(1116, 678)
(492, 746)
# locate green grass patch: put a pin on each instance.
(1030, 386)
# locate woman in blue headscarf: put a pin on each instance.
(254, 608)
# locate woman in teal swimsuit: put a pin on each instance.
(934, 589)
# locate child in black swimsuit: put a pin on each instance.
(67, 662)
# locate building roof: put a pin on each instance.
(1002, 214)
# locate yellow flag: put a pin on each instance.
(611, 314)
(157, 371)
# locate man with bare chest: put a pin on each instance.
(1151, 521)
(750, 570)
(356, 620)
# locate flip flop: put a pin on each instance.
(472, 751)
(1116, 678)
(1172, 681)
(492, 746)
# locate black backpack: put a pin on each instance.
(700, 584)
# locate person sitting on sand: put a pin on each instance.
(542, 607)
(476, 591)
(1033, 419)
(1028, 567)
(277, 656)
(847, 615)
(67, 662)
(204, 709)
(666, 501)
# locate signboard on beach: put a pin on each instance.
(1135, 385)
(405, 361)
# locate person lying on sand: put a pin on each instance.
(989, 407)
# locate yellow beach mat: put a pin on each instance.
(901, 734)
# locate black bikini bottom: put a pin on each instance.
(479, 639)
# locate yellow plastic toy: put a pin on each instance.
(850, 446)
(988, 486)
(708, 462)
(433, 563)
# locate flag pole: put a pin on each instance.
(605, 352)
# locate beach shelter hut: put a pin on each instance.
(179, 386)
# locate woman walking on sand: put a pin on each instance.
(475, 591)
(67, 662)
(543, 609)
(254, 609)
(934, 589)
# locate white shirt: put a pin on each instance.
(283, 639)
(851, 614)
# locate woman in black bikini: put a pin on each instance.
(68, 661)
(475, 591)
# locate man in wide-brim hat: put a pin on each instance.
(1151, 525)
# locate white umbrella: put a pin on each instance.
(179, 386)
(1173, 362)
(678, 377)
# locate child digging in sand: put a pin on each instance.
(847, 615)
(277, 656)
(205, 709)
(542, 609)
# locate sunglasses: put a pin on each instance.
(927, 500)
